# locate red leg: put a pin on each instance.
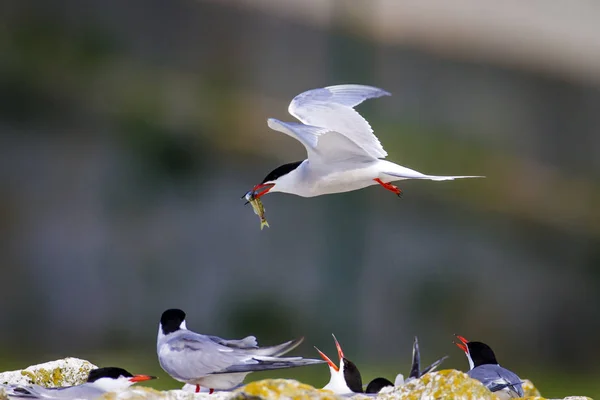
(390, 187)
(211, 391)
(197, 388)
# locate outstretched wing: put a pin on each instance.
(323, 145)
(332, 107)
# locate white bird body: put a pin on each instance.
(343, 153)
(309, 181)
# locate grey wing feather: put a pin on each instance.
(495, 375)
(277, 350)
(415, 369)
(249, 342)
(433, 366)
(187, 355)
(270, 363)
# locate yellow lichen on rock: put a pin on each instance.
(65, 372)
(283, 389)
(529, 390)
(448, 384)
(43, 377)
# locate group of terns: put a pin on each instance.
(212, 363)
(343, 155)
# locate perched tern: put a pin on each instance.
(346, 377)
(343, 152)
(484, 367)
(213, 362)
(100, 381)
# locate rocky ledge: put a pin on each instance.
(450, 384)
(65, 372)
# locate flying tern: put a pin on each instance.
(484, 367)
(343, 152)
(213, 362)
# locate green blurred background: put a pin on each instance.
(130, 129)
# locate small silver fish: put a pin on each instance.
(258, 208)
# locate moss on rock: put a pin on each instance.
(281, 389)
(449, 384)
(529, 390)
(64, 372)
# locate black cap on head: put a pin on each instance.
(481, 354)
(108, 372)
(171, 320)
(352, 376)
(377, 384)
(281, 171)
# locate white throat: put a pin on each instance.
(337, 383)
(471, 364)
(113, 385)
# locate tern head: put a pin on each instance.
(172, 320)
(279, 175)
(477, 353)
(113, 379)
(344, 378)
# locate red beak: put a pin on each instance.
(328, 360)
(262, 189)
(141, 378)
(463, 344)
(338, 347)
(340, 355)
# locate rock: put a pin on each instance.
(529, 390)
(140, 392)
(281, 389)
(64, 372)
(447, 383)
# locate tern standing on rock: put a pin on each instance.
(343, 152)
(213, 362)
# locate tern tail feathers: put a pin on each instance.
(20, 391)
(433, 366)
(249, 342)
(415, 369)
(501, 386)
(450, 178)
(277, 350)
(270, 363)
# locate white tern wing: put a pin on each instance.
(323, 145)
(333, 108)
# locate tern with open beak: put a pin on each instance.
(484, 367)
